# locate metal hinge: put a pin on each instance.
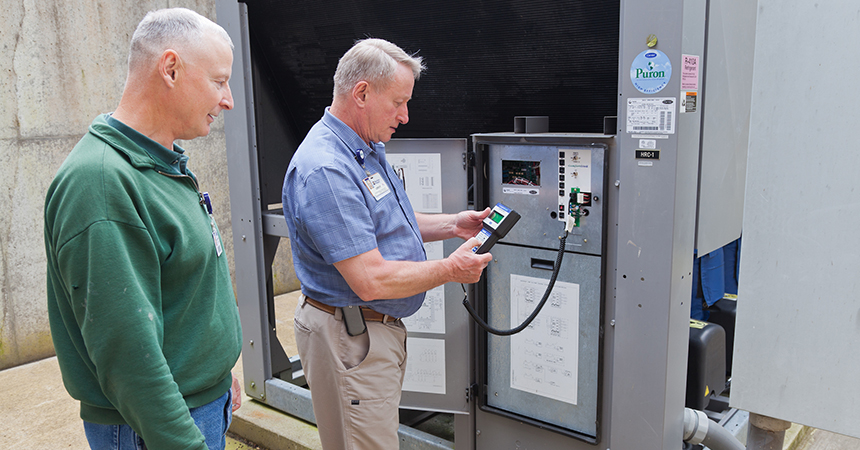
(471, 392)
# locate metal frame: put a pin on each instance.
(650, 216)
(594, 250)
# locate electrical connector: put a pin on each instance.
(569, 223)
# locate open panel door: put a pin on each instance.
(438, 364)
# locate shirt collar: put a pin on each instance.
(349, 137)
(174, 161)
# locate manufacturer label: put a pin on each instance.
(650, 71)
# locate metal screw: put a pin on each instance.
(477, 432)
(612, 323)
(584, 241)
(617, 183)
(262, 396)
(243, 237)
(252, 342)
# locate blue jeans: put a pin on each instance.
(213, 419)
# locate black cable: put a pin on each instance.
(534, 314)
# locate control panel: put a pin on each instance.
(574, 184)
(546, 184)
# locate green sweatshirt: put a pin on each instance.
(141, 306)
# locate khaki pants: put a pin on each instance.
(355, 381)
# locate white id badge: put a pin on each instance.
(218, 247)
(376, 185)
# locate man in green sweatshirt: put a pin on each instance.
(141, 306)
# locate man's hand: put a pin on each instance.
(466, 265)
(237, 394)
(468, 223)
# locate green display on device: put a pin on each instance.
(495, 227)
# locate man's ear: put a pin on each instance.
(168, 67)
(360, 92)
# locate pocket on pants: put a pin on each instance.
(372, 389)
(228, 410)
(352, 350)
(379, 374)
(373, 423)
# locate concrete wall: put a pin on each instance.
(64, 62)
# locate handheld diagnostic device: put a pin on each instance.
(495, 227)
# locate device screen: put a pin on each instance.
(496, 217)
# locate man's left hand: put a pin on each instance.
(468, 223)
(237, 393)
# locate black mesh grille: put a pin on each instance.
(488, 61)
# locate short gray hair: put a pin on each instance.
(170, 28)
(375, 61)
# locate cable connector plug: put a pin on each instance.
(569, 223)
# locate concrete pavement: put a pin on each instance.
(37, 413)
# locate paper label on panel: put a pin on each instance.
(651, 115)
(690, 72)
(430, 318)
(422, 176)
(425, 366)
(545, 356)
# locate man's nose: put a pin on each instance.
(403, 114)
(227, 100)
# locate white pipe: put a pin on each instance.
(698, 429)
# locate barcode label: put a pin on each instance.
(651, 115)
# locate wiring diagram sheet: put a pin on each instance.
(425, 367)
(421, 175)
(545, 356)
(431, 317)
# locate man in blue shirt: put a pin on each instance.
(357, 243)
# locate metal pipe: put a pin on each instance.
(766, 433)
(699, 429)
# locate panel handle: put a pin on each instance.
(544, 264)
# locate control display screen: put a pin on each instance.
(496, 217)
(521, 173)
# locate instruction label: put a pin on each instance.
(689, 102)
(690, 73)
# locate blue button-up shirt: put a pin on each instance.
(333, 216)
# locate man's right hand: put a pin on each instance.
(466, 265)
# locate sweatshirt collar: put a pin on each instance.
(172, 161)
